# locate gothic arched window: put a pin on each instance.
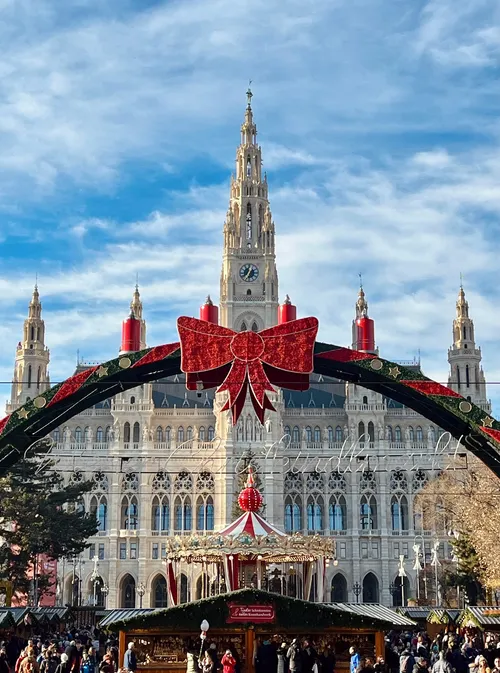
(56, 435)
(397, 434)
(211, 433)
(243, 327)
(205, 513)
(78, 435)
(126, 432)
(98, 435)
(308, 434)
(337, 513)
(389, 433)
(249, 222)
(315, 513)
(159, 591)
(180, 435)
(128, 592)
(399, 513)
(420, 434)
(370, 589)
(368, 512)
(130, 514)
(317, 435)
(295, 435)
(338, 434)
(293, 513)
(339, 589)
(201, 433)
(29, 375)
(136, 433)
(255, 327)
(361, 432)
(160, 514)
(182, 513)
(159, 434)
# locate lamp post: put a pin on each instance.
(105, 592)
(436, 563)
(94, 578)
(402, 575)
(141, 590)
(356, 588)
(417, 566)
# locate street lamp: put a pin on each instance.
(356, 588)
(141, 590)
(95, 578)
(417, 566)
(436, 563)
(105, 592)
(402, 575)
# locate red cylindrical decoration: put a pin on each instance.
(366, 334)
(131, 335)
(286, 311)
(209, 312)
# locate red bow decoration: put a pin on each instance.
(239, 361)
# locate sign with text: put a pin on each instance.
(257, 614)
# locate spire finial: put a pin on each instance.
(360, 281)
(249, 94)
(461, 280)
(36, 281)
(137, 281)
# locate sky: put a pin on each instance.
(379, 127)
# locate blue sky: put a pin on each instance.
(379, 123)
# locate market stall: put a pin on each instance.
(243, 619)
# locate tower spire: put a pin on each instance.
(31, 376)
(136, 310)
(363, 327)
(466, 373)
(249, 230)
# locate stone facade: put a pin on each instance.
(336, 460)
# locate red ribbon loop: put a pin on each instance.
(238, 362)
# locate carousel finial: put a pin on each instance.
(250, 498)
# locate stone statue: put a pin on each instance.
(116, 430)
(407, 434)
(145, 433)
(380, 429)
(431, 438)
(325, 434)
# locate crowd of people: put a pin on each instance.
(449, 652)
(74, 652)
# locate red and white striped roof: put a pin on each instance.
(252, 524)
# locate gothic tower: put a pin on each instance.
(466, 374)
(31, 376)
(249, 280)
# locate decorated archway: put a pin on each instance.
(263, 365)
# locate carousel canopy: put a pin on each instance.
(290, 613)
(250, 537)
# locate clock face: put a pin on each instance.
(249, 273)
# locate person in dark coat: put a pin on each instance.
(74, 652)
(309, 657)
(267, 658)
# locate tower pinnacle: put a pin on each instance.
(249, 281)
(466, 373)
(31, 375)
(363, 327)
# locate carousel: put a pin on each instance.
(250, 553)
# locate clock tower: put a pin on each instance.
(249, 280)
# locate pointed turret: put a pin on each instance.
(466, 373)
(363, 327)
(136, 308)
(31, 376)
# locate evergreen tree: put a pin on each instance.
(40, 515)
(469, 569)
(247, 460)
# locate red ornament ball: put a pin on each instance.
(250, 500)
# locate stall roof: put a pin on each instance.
(6, 618)
(122, 615)
(418, 613)
(291, 613)
(375, 611)
(482, 616)
(443, 616)
(51, 613)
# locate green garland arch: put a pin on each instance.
(477, 430)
